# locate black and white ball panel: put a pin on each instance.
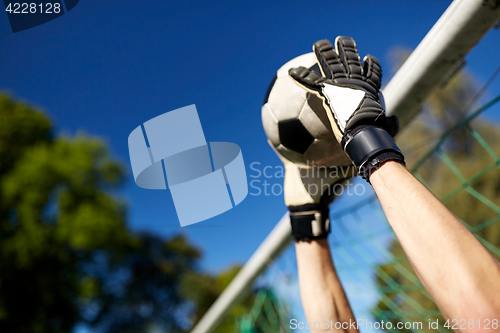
(295, 121)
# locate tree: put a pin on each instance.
(443, 109)
(66, 256)
(247, 315)
(142, 291)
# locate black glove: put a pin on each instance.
(308, 192)
(351, 96)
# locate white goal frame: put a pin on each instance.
(456, 32)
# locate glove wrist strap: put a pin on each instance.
(309, 222)
(369, 147)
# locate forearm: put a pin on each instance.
(322, 294)
(457, 271)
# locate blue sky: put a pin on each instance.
(107, 66)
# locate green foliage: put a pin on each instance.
(203, 290)
(258, 310)
(463, 173)
(20, 127)
(140, 292)
(66, 256)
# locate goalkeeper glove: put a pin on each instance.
(351, 96)
(308, 192)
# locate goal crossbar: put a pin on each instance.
(456, 32)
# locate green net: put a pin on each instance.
(462, 168)
(467, 181)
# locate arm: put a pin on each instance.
(323, 297)
(307, 194)
(457, 271)
(322, 294)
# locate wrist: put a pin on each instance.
(314, 246)
(386, 169)
(369, 147)
(309, 222)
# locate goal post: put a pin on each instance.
(456, 32)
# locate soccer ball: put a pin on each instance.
(296, 123)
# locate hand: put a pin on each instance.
(351, 96)
(308, 192)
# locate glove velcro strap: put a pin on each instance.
(309, 222)
(369, 147)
